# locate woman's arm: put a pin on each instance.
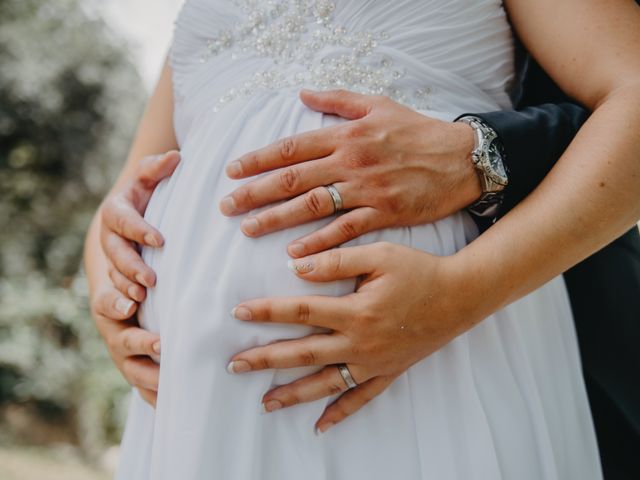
(592, 195)
(128, 344)
(589, 198)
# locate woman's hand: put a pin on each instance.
(392, 166)
(123, 226)
(379, 331)
(130, 346)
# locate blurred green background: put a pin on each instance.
(70, 97)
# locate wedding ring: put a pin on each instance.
(346, 375)
(335, 196)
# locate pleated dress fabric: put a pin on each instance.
(506, 400)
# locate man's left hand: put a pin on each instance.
(391, 165)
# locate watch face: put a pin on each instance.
(497, 166)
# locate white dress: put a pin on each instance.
(504, 401)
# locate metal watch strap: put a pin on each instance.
(489, 202)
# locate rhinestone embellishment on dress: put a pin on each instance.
(295, 33)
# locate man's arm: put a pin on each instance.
(534, 138)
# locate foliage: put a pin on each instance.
(69, 99)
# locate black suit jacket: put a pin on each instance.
(604, 289)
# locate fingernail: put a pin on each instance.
(152, 240)
(272, 405)
(124, 305)
(140, 279)
(228, 205)
(296, 249)
(234, 169)
(156, 347)
(238, 366)
(300, 265)
(241, 313)
(324, 427)
(133, 292)
(249, 226)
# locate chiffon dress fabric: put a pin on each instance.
(505, 400)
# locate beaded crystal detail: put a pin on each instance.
(294, 33)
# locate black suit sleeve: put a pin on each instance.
(534, 138)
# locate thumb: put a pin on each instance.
(155, 168)
(343, 103)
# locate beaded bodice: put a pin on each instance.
(409, 50)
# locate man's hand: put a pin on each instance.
(130, 346)
(379, 331)
(392, 166)
(123, 226)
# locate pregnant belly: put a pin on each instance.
(208, 266)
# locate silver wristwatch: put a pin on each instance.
(487, 156)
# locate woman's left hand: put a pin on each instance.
(408, 304)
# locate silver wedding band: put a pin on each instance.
(335, 196)
(346, 375)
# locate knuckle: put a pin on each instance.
(335, 261)
(287, 148)
(313, 202)
(120, 224)
(245, 197)
(99, 304)
(96, 306)
(385, 249)
(289, 396)
(290, 180)
(334, 388)
(395, 204)
(145, 180)
(307, 358)
(361, 159)
(353, 130)
(304, 313)
(263, 362)
(112, 274)
(334, 385)
(348, 229)
(267, 221)
(340, 408)
(266, 312)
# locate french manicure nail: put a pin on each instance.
(133, 292)
(241, 313)
(296, 249)
(156, 347)
(238, 366)
(300, 265)
(272, 405)
(123, 305)
(250, 225)
(228, 205)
